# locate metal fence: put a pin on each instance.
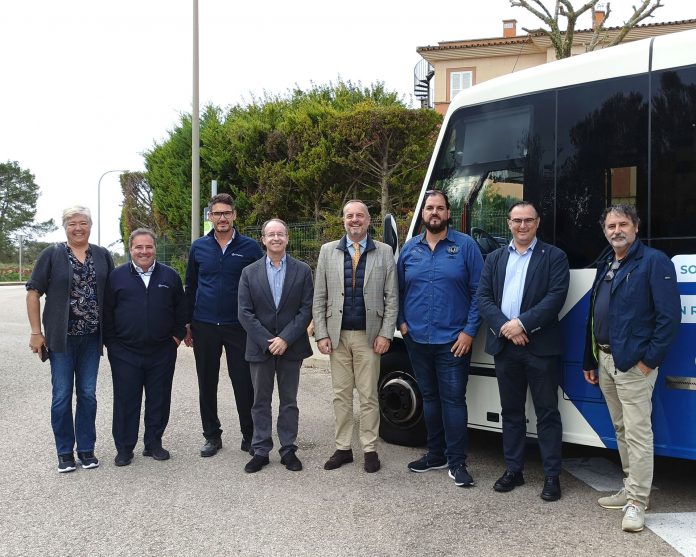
(306, 238)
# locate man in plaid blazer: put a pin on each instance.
(354, 311)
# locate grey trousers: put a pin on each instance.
(629, 399)
(263, 374)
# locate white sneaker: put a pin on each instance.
(616, 501)
(634, 517)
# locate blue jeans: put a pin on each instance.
(442, 380)
(78, 367)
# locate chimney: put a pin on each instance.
(509, 28)
(599, 12)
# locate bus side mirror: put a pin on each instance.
(391, 238)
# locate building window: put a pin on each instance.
(459, 81)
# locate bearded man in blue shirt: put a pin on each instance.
(438, 275)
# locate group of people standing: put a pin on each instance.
(259, 307)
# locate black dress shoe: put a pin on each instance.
(123, 459)
(372, 463)
(552, 489)
(246, 446)
(338, 459)
(158, 453)
(255, 464)
(211, 447)
(291, 462)
(508, 481)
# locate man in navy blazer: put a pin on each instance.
(522, 289)
(275, 308)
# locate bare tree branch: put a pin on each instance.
(640, 13)
(562, 41)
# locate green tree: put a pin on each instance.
(137, 210)
(562, 39)
(299, 156)
(389, 147)
(18, 196)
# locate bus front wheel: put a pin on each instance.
(400, 401)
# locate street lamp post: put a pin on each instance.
(21, 238)
(195, 137)
(99, 202)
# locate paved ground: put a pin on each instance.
(189, 505)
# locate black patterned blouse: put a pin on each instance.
(84, 308)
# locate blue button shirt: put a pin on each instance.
(437, 289)
(276, 278)
(515, 275)
(351, 249)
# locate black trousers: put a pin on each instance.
(516, 369)
(208, 342)
(132, 372)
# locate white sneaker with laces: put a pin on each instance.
(634, 517)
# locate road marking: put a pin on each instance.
(677, 529)
(599, 473)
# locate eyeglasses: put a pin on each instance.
(218, 214)
(275, 235)
(528, 222)
(612, 271)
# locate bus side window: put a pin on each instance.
(601, 160)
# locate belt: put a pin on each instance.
(604, 348)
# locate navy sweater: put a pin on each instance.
(212, 277)
(137, 317)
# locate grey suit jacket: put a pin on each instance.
(380, 291)
(262, 321)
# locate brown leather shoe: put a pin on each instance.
(372, 463)
(338, 459)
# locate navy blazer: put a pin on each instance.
(262, 321)
(644, 309)
(545, 291)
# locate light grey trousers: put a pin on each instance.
(629, 399)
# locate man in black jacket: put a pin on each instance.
(522, 289)
(144, 323)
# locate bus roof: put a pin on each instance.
(672, 50)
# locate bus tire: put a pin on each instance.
(400, 401)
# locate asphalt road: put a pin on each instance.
(194, 506)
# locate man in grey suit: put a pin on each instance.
(275, 308)
(355, 308)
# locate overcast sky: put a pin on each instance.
(89, 85)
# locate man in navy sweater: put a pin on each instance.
(212, 280)
(144, 323)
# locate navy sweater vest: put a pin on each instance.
(354, 318)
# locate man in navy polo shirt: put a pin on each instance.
(212, 280)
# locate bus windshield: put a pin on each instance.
(481, 167)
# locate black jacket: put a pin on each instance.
(139, 318)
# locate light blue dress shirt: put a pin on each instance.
(276, 277)
(515, 275)
(351, 249)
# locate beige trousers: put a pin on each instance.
(355, 365)
(629, 399)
